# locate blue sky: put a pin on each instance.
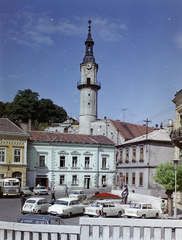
(138, 47)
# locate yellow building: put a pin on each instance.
(13, 151)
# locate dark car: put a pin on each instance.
(39, 219)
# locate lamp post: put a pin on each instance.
(175, 168)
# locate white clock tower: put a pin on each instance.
(88, 87)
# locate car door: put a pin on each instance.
(44, 205)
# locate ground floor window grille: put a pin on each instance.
(74, 180)
(62, 179)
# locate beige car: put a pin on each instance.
(35, 205)
(66, 207)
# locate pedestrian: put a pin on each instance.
(66, 191)
(125, 194)
(162, 206)
(53, 194)
(23, 199)
(101, 210)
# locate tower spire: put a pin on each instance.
(89, 46)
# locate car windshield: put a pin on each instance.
(135, 205)
(30, 201)
(61, 202)
(75, 192)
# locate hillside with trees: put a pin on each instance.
(26, 105)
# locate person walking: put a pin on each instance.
(101, 210)
(23, 200)
(66, 191)
(162, 206)
(53, 194)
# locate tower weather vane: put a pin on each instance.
(89, 27)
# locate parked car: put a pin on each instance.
(40, 190)
(141, 210)
(39, 219)
(109, 209)
(66, 207)
(26, 191)
(35, 205)
(78, 194)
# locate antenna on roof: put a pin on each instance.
(147, 122)
(123, 109)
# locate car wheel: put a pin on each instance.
(119, 214)
(39, 211)
(143, 216)
(156, 215)
(69, 215)
(128, 216)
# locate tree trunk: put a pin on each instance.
(169, 205)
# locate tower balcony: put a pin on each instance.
(176, 137)
(81, 85)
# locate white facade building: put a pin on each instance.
(75, 160)
(138, 158)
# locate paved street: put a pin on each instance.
(10, 207)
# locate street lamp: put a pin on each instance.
(175, 168)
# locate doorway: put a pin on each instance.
(87, 181)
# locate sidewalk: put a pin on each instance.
(165, 215)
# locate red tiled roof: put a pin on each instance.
(38, 136)
(130, 130)
(7, 126)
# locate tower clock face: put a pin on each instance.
(89, 66)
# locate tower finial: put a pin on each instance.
(89, 26)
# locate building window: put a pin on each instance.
(62, 161)
(74, 162)
(121, 156)
(133, 178)
(141, 153)
(126, 178)
(103, 181)
(134, 155)
(87, 162)
(2, 154)
(17, 155)
(141, 179)
(104, 162)
(127, 155)
(62, 180)
(74, 180)
(41, 161)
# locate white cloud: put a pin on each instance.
(38, 29)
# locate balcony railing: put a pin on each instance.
(81, 85)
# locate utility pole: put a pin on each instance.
(124, 109)
(147, 122)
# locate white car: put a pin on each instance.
(141, 210)
(26, 191)
(40, 190)
(109, 209)
(66, 207)
(35, 205)
(78, 194)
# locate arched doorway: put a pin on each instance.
(18, 175)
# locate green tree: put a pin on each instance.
(24, 106)
(165, 175)
(2, 109)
